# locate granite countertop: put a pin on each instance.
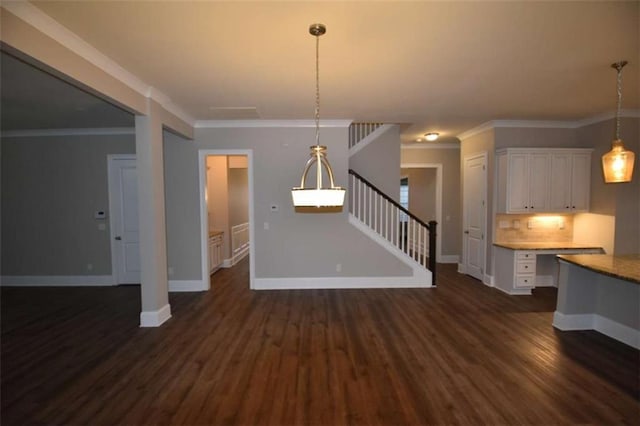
(213, 233)
(567, 245)
(626, 267)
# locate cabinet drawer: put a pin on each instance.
(525, 280)
(525, 255)
(525, 267)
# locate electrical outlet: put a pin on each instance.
(89, 266)
(170, 270)
(516, 224)
(503, 224)
(338, 267)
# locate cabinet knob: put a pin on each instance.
(567, 207)
(573, 207)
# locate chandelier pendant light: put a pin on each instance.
(617, 164)
(318, 196)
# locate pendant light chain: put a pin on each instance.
(619, 68)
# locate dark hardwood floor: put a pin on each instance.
(458, 354)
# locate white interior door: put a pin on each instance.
(474, 202)
(123, 202)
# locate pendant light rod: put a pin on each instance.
(618, 66)
(320, 196)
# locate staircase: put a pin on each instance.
(375, 212)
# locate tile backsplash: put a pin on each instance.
(513, 228)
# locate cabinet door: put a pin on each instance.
(518, 184)
(560, 191)
(538, 182)
(580, 182)
(211, 255)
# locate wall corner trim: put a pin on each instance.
(155, 318)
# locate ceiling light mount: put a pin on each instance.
(431, 136)
(331, 197)
(317, 29)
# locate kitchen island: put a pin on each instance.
(521, 266)
(602, 293)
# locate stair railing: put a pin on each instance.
(359, 131)
(393, 222)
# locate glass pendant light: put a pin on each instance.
(617, 164)
(318, 196)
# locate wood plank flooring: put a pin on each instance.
(458, 354)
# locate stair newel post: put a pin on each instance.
(432, 249)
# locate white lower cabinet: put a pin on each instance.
(215, 252)
(515, 270)
(519, 271)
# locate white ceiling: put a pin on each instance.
(431, 66)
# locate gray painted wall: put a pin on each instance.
(238, 196)
(296, 244)
(181, 188)
(379, 162)
(621, 200)
(451, 193)
(51, 187)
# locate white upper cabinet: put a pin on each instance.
(537, 180)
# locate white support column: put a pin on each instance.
(151, 211)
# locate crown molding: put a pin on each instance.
(212, 124)
(547, 124)
(53, 29)
(624, 113)
(476, 130)
(427, 145)
(99, 131)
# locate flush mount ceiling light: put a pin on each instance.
(617, 164)
(318, 196)
(431, 136)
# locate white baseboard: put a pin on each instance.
(515, 291)
(615, 330)
(57, 280)
(488, 280)
(339, 283)
(186, 285)
(241, 255)
(155, 318)
(606, 326)
(449, 258)
(227, 263)
(572, 322)
(462, 269)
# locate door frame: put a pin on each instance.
(112, 231)
(462, 267)
(204, 225)
(438, 167)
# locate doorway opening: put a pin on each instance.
(424, 194)
(226, 210)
